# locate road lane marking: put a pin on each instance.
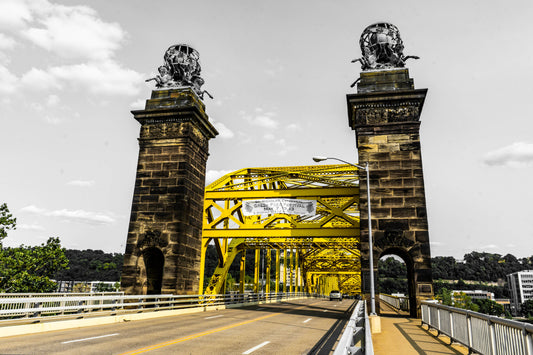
(249, 351)
(325, 310)
(91, 338)
(307, 320)
(259, 309)
(197, 335)
(214, 317)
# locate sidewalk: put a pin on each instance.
(404, 336)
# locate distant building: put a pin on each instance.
(85, 286)
(520, 285)
(476, 294)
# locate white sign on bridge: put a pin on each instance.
(279, 205)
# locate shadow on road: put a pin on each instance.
(327, 343)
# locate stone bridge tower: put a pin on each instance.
(164, 237)
(385, 114)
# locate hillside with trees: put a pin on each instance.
(91, 265)
(28, 268)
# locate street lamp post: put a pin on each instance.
(370, 242)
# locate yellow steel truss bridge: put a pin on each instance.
(314, 252)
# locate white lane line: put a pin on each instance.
(213, 317)
(249, 351)
(260, 308)
(307, 320)
(325, 310)
(91, 338)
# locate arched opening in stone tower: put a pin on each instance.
(396, 277)
(154, 261)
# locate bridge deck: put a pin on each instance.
(404, 336)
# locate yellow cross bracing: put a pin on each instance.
(320, 252)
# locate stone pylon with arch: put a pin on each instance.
(164, 236)
(385, 114)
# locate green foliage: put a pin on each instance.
(527, 308)
(29, 269)
(392, 276)
(499, 291)
(462, 300)
(478, 266)
(489, 307)
(458, 299)
(91, 265)
(445, 296)
(102, 287)
(7, 222)
(26, 268)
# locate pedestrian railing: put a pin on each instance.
(400, 303)
(356, 338)
(480, 333)
(38, 307)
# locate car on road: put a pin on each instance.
(335, 295)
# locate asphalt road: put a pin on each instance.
(310, 326)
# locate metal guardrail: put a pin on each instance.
(480, 333)
(40, 307)
(356, 338)
(401, 303)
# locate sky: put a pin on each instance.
(279, 71)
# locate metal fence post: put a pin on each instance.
(492, 337)
(528, 342)
(37, 313)
(469, 330)
(452, 333)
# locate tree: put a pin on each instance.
(27, 268)
(489, 307)
(462, 300)
(7, 222)
(445, 296)
(527, 308)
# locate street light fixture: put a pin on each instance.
(370, 242)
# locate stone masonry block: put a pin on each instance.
(403, 212)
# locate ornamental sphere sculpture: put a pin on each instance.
(382, 48)
(181, 69)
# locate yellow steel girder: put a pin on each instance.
(326, 243)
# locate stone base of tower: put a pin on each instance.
(385, 115)
(164, 237)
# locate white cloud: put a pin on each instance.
(79, 216)
(223, 130)
(81, 183)
(100, 78)
(213, 175)
(32, 209)
(39, 79)
(54, 120)
(74, 32)
(8, 81)
(138, 104)
(52, 100)
(284, 147)
(105, 78)
(269, 136)
(294, 126)
(261, 118)
(14, 14)
(516, 155)
(6, 42)
(33, 227)
(490, 246)
(273, 67)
